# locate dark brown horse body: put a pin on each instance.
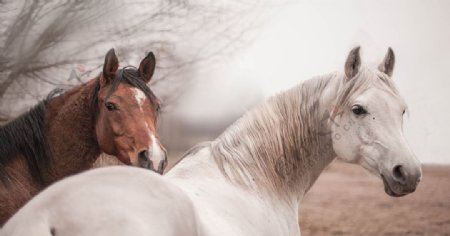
(66, 145)
(64, 134)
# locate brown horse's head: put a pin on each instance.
(126, 111)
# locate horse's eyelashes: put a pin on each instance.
(110, 106)
(358, 110)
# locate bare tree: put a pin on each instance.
(42, 41)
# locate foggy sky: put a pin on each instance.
(308, 38)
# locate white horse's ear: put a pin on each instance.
(387, 66)
(353, 63)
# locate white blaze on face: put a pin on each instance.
(139, 96)
(157, 152)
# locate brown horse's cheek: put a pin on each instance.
(105, 136)
(125, 148)
(116, 129)
(116, 124)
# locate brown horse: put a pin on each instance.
(114, 113)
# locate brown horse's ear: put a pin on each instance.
(147, 67)
(110, 66)
(387, 66)
(353, 63)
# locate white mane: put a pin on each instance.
(273, 145)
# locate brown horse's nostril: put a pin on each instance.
(162, 165)
(399, 174)
(144, 160)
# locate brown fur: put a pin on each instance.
(79, 127)
(73, 147)
(71, 132)
(22, 187)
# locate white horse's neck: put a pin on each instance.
(282, 146)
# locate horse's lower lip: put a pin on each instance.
(388, 189)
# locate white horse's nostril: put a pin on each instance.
(399, 174)
(419, 179)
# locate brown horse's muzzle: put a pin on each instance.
(153, 162)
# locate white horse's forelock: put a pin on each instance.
(366, 78)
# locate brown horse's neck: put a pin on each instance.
(71, 132)
(70, 136)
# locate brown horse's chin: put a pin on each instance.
(388, 189)
(124, 159)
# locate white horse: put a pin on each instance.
(251, 179)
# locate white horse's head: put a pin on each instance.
(367, 125)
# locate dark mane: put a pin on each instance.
(129, 75)
(27, 136)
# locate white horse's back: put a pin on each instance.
(81, 205)
(223, 208)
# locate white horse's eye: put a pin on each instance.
(403, 112)
(358, 110)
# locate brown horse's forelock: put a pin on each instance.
(27, 136)
(128, 75)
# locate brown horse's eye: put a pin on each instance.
(358, 110)
(110, 106)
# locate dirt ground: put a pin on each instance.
(347, 200)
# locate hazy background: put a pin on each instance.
(217, 59)
(307, 38)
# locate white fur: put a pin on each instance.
(139, 96)
(157, 153)
(249, 181)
